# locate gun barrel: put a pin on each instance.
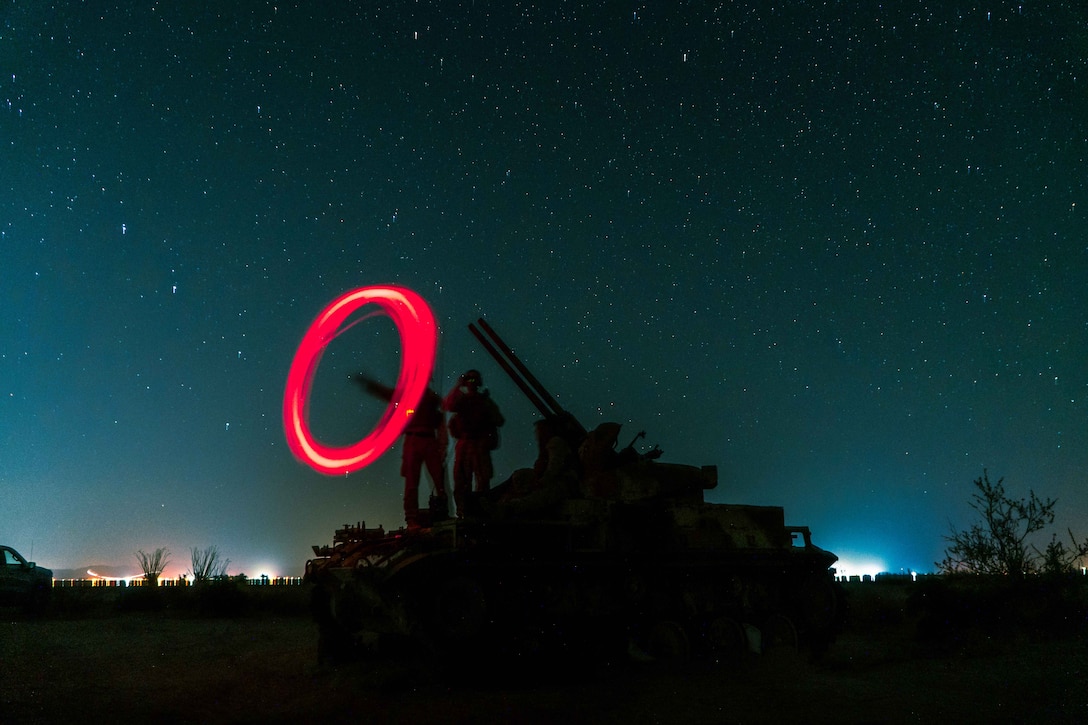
(535, 399)
(512, 365)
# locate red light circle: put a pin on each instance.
(419, 338)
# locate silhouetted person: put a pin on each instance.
(475, 424)
(425, 441)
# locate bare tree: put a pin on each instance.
(999, 543)
(153, 564)
(207, 564)
(1060, 559)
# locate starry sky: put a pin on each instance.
(836, 249)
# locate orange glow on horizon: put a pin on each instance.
(95, 575)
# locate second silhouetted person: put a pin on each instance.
(475, 423)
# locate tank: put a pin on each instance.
(593, 551)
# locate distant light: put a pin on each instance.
(859, 565)
(266, 569)
(95, 575)
(418, 333)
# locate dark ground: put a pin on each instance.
(106, 664)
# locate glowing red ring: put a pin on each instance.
(418, 335)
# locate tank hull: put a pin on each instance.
(603, 577)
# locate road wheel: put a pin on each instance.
(667, 641)
(460, 614)
(726, 638)
(779, 635)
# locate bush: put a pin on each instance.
(999, 545)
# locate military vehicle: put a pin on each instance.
(594, 551)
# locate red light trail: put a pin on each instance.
(419, 338)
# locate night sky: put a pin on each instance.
(836, 249)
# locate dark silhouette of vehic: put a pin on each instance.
(23, 582)
(591, 551)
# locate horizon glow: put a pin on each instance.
(855, 563)
(419, 338)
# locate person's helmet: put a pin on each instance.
(473, 376)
